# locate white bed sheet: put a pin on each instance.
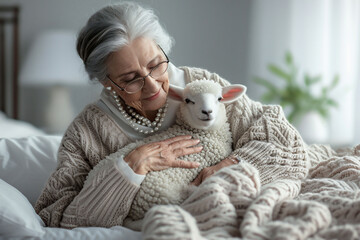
(87, 233)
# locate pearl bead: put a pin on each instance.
(135, 119)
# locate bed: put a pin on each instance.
(27, 158)
(326, 205)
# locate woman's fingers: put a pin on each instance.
(178, 146)
(198, 180)
(183, 164)
(184, 143)
(186, 151)
(176, 139)
(161, 155)
(204, 174)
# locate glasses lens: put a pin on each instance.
(159, 70)
(134, 86)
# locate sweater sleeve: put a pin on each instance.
(274, 147)
(66, 199)
(104, 200)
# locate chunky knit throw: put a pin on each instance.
(282, 189)
(234, 204)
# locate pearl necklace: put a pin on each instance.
(135, 119)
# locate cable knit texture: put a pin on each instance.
(282, 189)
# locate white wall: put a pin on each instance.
(209, 34)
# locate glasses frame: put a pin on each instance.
(140, 77)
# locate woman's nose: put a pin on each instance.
(150, 83)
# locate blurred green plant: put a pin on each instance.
(296, 94)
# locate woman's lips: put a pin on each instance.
(153, 97)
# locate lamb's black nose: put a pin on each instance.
(206, 112)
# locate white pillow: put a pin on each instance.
(26, 163)
(17, 216)
(16, 128)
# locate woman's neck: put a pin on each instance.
(151, 115)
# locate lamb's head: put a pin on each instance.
(203, 102)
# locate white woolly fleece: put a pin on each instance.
(202, 86)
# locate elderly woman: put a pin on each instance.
(125, 48)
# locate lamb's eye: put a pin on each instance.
(219, 99)
(188, 101)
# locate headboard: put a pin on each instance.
(9, 59)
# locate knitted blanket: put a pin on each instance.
(233, 204)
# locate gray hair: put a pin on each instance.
(113, 27)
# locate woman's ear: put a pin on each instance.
(105, 83)
(232, 93)
(176, 93)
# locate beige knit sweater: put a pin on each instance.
(76, 195)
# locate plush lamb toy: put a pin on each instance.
(202, 114)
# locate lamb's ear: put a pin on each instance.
(232, 92)
(176, 93)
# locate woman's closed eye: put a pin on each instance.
(128, 78)
(153, 66)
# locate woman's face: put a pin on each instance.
(133, 61)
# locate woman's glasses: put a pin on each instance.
(138, 83)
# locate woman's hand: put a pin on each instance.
(162, 155)
(207, 172)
